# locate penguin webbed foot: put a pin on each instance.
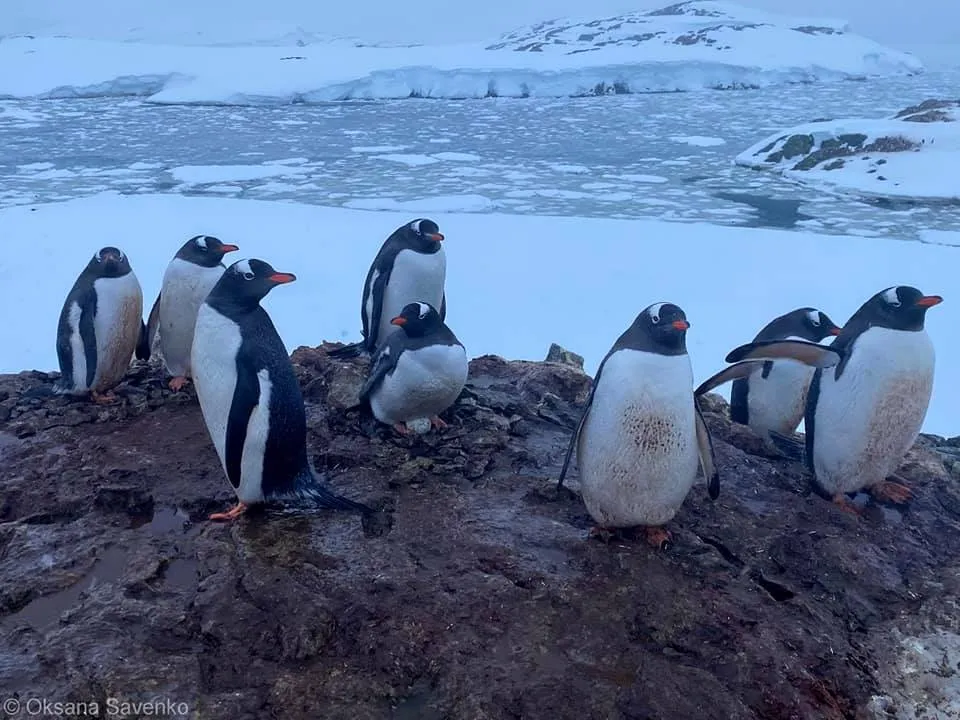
(843, 502)
(438, 423)
(401, 428)
(889, 491)
(657, 537)
(107, 398)
(604, 535)
(176, 384)
(231, 514)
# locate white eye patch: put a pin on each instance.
(814, 317)
(424, 310)
(654, 312)
(891, 296)
(201, 242)
(415, 226)
(243, 267)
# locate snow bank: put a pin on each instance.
(910, 156)
(582, 300)
(682, 47)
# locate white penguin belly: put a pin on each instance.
(185, 287)
(415, 278)
(214, 363)
(424, 383)
(867, 420)
(637, 451)
(116, 326)
(778, 401)
(76, 350)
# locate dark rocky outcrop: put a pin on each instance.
(476, 592)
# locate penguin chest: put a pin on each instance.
(185, 287)
(866, 420)
(214, 362)
(424, 383)
(116, 327)
(777, 402)
(637, 450)
(415, 277)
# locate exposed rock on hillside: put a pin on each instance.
(476, 592)
(908, 156)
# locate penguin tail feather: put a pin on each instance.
(143, 343)
(310, 490)
(45, 391)
(792, 447)
(347, 351)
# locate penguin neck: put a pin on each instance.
(233, 307)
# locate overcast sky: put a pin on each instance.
(430, 21)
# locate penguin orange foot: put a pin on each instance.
(657, 537)
(891, 492)
(231, 514)
(401, 428)
(437, 422)
(841, 501)
(103, 398)
(176, 384)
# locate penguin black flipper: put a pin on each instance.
(443, 307)
(707, 458)
(246, 396)
(375, 300)
(583, 419)
(809, 353)
(147, 331)
(383, 363)
(738, 370)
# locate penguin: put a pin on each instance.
(410, 267)
(250, 398)
(642, 436)
(187, 281)
(775, 397)
(865, 411)
(417, 373)
(100, 323)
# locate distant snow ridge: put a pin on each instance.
(687, 46)
(911, 156)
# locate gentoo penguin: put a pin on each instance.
(642, 436)
(187, 281)
(250, 397)
(774, 398)
(418, 373)
(99, 325)
(410, 267)
(864, 413)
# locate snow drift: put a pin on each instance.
(910, 156)
(687, 46)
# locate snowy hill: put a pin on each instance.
(910, 156)
(688, 46)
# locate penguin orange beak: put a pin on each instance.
(281, 278)
(435, 236)
(228, 248)
(399, 320)
(929, 301)
(680, 324)
(836, 331)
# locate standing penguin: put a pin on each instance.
(99, 325)
(410, 267)
(250, 397)
(642, 437)
(774, 398)
(188, 279)
(863, 414)
(418, 373)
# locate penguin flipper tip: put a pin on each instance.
(347, 351)
(791, 447)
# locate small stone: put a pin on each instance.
(558, 354)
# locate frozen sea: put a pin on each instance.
(662, 156)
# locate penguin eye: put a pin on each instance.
(655, 319)
(248, 276)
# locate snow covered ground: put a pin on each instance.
(912, 155)
(692, 45)
(515, 283)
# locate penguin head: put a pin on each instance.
(245, 283)
(205, 251)
(901, 307)
(806, 323)
(108, 262)
(423, 235)
(665, 325)
(418, 319)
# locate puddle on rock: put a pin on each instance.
(161, 520)
(45, 611)
(181, 574)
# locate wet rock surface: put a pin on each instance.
(477, 593)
